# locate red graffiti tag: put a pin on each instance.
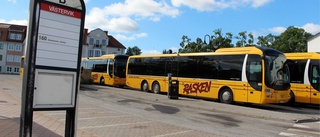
(197, 87)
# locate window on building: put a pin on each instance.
(12, 35)
(18, 37)
(97, 53)
(97, 42)
(0, 57)
(9, 69)
(90, 53)
(91, 41)
(17, 58)
(11, 47)
(104, 42)
(1, 45)
(0, 69)
(9, 58)
(16, 70)
(18, 47)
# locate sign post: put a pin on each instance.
(53, 59)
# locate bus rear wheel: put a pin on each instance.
(292, 99)
(226, 96)
(102, 81)
(156, 88)
(144, 86)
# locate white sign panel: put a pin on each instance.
(54, 89)
(58, 36)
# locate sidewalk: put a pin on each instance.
(43, 125)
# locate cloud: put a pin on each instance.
(146, 52)
(123, 17)
(16, 22)
(13, 1)
(130, 38)
(311, 28)
(211, 5)
(277, 30)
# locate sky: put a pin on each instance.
(157, 25)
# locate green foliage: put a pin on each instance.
(217, 39)
(167, 51)
(292, 40)
(133, 51)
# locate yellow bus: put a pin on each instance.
(21, 66)
(107, 69)
(305, 79)
(250, 74)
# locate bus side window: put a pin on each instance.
(314, 75)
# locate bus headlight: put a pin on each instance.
(268, 93)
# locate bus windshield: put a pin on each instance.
(120, 66)
(277, 72)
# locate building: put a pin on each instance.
(11, 47)
(12, 37)
(97, 42)
(314, 43)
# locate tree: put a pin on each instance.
(217, 39)
(266, 41)
(188, 47)
(222, 41)
(292, 40)
(167, 51)
(133, 51)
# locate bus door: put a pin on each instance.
(314, 76)
(254, 76)
(170, 67)
(109, 75)
(299, 82)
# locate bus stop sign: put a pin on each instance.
(53, 58)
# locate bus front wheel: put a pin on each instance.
(144, 86)
(156, 88)
(226, 96)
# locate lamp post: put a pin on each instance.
(215, 46)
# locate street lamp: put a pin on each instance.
(215, 46)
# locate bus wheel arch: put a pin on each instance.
(101, 81)
(156, 87)
(144, 85)
(292, 99)
(226, 95)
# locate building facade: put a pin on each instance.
(314, 43)
(97, 42)
(11, 47)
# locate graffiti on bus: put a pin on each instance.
(95, 76)
(197, 87)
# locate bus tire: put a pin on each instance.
(292, 99)
(101, 81)
(226, 96)
(144, 86)
(156, 87)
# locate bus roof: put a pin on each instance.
(107, 56)
(303, 55)
(221, 51)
